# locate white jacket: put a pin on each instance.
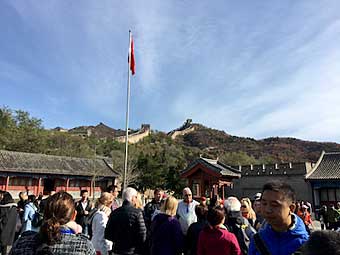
(98, 229)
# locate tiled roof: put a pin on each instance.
(327, 167)
(216, 166)
(21, 162)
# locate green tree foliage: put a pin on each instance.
(7, 126)
(21, 132)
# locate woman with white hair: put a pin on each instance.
(99, 222)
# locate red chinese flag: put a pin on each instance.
(132, 62)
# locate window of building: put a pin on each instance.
(20, 181)
(337, 192)
(331, 195)
(196, 188)
(323, 195)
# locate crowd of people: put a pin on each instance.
(270, 223)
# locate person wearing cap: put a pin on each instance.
(284, 232)
(186, 210)
(305, 216)
(237, 224)
(257, 208)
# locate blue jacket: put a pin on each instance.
(29, 212)
(282, 243)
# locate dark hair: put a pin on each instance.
(31, 198)
(83, 191)
(7, 198)
(201, 212)
(215, 216)
(157, 190)
(59, 210)
(111, 188)
(322, 242)
(280, 186)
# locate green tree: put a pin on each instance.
(7, 128)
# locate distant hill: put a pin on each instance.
(216, 142)
(279, 149)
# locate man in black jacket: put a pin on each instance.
(126, 227)
(83, 208)
(152, 206)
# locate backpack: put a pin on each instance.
(243, 232)
(37, 219)
(89, 221)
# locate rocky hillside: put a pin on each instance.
(279, 149)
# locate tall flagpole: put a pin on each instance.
(127, 118)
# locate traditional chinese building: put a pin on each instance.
(324, 179)
(207, 177)
(39, 173)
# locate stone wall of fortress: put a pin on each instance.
(255, 176)
(136, 137)
(176, 133)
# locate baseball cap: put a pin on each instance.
(257, 196)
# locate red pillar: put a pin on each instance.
(7, 183)
(67, 184)
(39, 186)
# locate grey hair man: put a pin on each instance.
(126, 227)
(237, 224)
(186, 210)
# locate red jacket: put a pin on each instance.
(213, 241)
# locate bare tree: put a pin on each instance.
(132, 173)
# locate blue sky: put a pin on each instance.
(250, 68)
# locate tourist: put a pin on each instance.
(237, 224)
(257, 209)
(322, 243)
(186, 210)
(59, 234)
(83, 208)
(126, 227)
(284, 232)
(305, 216)
(139, 202)
(20, 207)
(8, 220)
(31, 208)
(98, 224)
(215, 238)
(322, 212)
(152, 206)
(113, 189)
(247, 210)
(195, 229)
(166, 234)
(333, 217)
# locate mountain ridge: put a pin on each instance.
(216, 142)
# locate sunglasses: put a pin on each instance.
(188, 195)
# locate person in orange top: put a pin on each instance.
(305, 216)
